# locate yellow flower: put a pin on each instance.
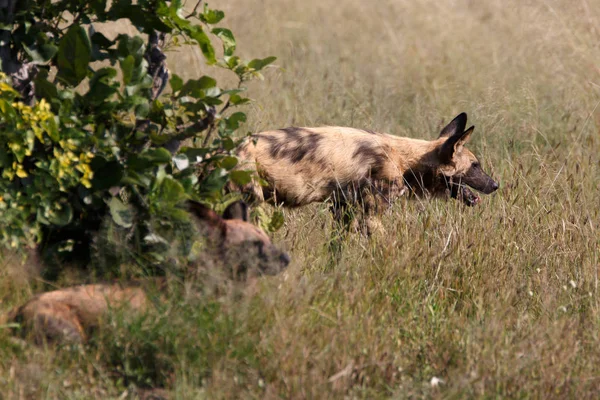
(21, 172)
(43, 105)
(85, 169)
(5, 87)
(14, 146)
(87, 183)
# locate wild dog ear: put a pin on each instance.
(455, 126)
(236, 210)
(204, 213)
(454, 145)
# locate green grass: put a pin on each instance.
(500, 300)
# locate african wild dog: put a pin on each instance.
(68, 314)
(305, 165)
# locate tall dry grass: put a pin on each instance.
(500, 300)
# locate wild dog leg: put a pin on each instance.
(378, 199)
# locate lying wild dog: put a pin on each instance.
(353, 166)
(68, 314)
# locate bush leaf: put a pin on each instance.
(227, 38)
(258, 64)
(74, 55)
(121, 213)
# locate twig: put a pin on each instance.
(194, 10)
(185, 129)
(157, 66)
(225, 107)
(208, 135)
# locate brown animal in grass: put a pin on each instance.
(68, 314)
(353, 166)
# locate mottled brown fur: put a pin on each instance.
(68, 314)
(306, 165)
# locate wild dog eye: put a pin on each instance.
(476, 165)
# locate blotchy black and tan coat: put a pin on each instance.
(348, 165)
(68, 314)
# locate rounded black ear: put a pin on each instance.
(457, 125)
(236, 210)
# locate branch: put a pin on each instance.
(187, 131)
(157, 67)
(194, 10)
(225, 107)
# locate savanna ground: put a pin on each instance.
(500, 300)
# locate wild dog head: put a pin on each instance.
(243, 248)
(459, 167)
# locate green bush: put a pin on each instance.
(77, 143)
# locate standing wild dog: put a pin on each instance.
(68, 314)
(353, 166)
